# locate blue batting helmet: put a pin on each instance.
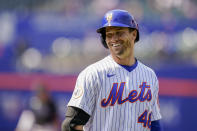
(117, 18)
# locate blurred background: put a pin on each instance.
(51, 41)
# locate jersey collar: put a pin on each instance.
(130, 68)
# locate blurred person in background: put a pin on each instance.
(42, 114)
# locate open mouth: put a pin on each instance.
(115, 45)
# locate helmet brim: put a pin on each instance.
(112, 24)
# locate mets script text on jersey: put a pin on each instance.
(132, 97)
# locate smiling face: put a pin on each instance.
(120, 41)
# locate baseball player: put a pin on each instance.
(117, 93)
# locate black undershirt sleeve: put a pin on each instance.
(74, 116)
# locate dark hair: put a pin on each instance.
(131, 30)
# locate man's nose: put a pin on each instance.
(115, 37)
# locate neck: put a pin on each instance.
(128, 61)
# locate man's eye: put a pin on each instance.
(120, 33)
(109, 35)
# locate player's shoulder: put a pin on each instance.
(97, 67)
(146, 68)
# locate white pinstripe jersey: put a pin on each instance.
(115, 98)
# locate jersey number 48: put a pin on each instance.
(145, 119)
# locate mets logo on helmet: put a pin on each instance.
(109, 18)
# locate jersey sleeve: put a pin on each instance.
(85, 92)
(156, 115)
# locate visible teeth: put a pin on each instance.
(115, 45)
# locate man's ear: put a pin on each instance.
(134, 33)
